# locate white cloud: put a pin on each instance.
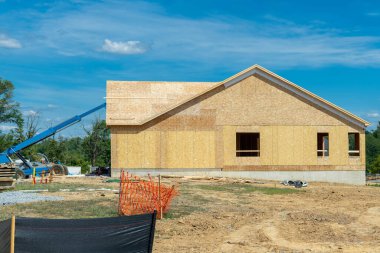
(373, 14)
(206, 42)
(7, 42)
(30, 113)
(6, 127)
(52, 106)
(373, 115)
(212, 41)
(127, 47)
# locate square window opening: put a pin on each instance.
(248, 144)
(323, 147)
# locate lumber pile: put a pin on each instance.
(7, 174)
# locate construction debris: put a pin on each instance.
(296, 183)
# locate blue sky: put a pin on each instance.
(59, 54)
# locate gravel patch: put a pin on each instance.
(17, 197)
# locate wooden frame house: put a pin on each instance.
(254, 124)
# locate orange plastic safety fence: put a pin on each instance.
(138, 196)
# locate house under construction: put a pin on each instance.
(254, 124)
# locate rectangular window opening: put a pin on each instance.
(353, 144)
(247, 144)
(323, 144)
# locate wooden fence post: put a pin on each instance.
(159, 194)
(121, 185)
(13, 230)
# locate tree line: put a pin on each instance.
(373, 150)
(92, 149)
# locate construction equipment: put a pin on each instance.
(42, 166)
(9, 169)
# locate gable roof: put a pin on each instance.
(148, 100)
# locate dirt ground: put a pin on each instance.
(236, 216)
(319, 218)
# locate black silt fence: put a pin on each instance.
(121, 234)
(5, 236)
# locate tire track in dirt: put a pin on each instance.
(266, 237)
(271, 231)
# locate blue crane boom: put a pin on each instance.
(5, 155)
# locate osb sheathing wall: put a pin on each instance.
(163, 149)
(294, 148)
(202, 132)
(131, 102)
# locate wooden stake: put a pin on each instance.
(34, 176)
(121, 191)
(159, 194)
(50, 177)
(13, 230)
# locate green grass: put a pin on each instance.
(192, 198)
(94, 208)
(113, 180)
(55, 186)
(87, 208)
(190, 201)
(246, 188)
(179, 208)
(187, 202)
(374, 185)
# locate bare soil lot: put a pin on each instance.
(234, 216)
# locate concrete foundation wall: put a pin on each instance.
(344, 177)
